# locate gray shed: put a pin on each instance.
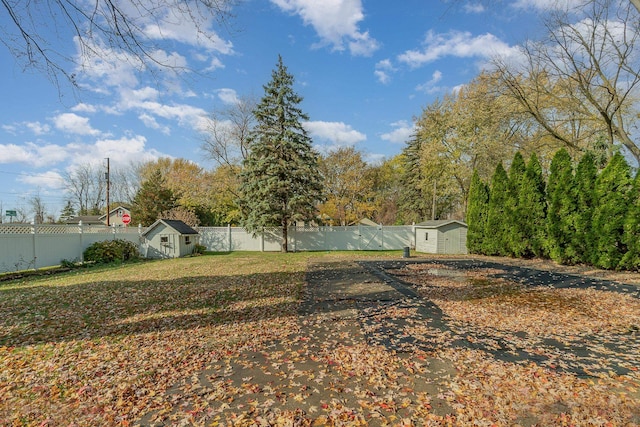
(169, 238)
(441, 237)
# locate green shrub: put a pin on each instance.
(65, 263)
(111, 250)
(199, 249)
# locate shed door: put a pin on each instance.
(452, 241)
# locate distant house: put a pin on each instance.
(115, 216)
(365, 221)
(441, 237)
(86, 220)
(169, 238)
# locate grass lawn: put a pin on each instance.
(105, 346)
(100, 346)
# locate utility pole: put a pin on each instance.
(106, 175)
(433, 207)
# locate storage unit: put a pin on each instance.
(169, 238)
(441, 237)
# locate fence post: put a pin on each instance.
(81, 242)
(33, 234)
(230, 246)
(262, 241)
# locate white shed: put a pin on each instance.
(169, 238)
(441, 237)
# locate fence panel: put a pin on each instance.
(25, 246)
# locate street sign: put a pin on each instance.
(126, 218)
(12, 213)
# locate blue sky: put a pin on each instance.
(364, 67)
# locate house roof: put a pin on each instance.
(86, 220)
(365, 221)
(176, 224)
(103, 217)
(437, 223)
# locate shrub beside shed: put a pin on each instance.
(169, 238)
(441, 237)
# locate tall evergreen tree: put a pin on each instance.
(152, 199)
(612, 193)
(584, 240)
(67, 212)
(496, 228)
(514, 229)
(561, 209)
(477, 210)
(414, 204)
(631, 236)
(531, 212)
(280, 179)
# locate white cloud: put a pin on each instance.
(84, 108)
(548, 4)
(458, 44)
(335, 22)
(121, 151)
(228, 96)
(38, 128)
(178, 25)
(474, 8)
(12, 129)
(431, 86)
(36, 155)
(337, 133)
(383, 71)
(74, 124)
(49, 179)
(151, 122)
(401, 134)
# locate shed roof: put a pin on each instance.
(437, 223)
(176, 224)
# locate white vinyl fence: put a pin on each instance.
(353, 238)
(24, 246)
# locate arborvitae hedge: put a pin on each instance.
(477, 208)
(583, 240)
(584, 217)
(561, 209)
(497, 225)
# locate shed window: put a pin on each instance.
(426, 236)
(187, 240)
(164, 239)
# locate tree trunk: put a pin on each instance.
(285, 237)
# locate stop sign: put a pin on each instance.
(126, 218)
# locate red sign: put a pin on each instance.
(126, 218)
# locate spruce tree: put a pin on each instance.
(152, 199)
(514, 229)
(531, 212)
(477, 210)
(631, 236)
(561, 209)
(612, 194)
(496, 227)
(584, 239)
(68, 212)
(280, 179)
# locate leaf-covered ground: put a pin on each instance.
(313, 339)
